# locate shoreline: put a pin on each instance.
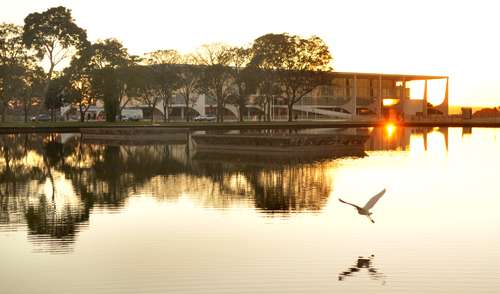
(76, 127)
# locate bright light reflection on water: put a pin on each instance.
(96, 218)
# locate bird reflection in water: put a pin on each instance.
(365, 210)
(363, 263)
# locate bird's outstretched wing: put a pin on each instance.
(374, 200)
(349, 204)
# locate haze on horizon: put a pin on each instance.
(455, 38)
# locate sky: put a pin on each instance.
(441, 37)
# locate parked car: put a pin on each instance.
(41, 117)
(130, 118)
(204, 118)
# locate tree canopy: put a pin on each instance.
(54, 35)
(275, 68)
(299, 64)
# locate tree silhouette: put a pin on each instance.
(217, 80)
(299, 64)
(54, 35)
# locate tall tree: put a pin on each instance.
(109, 64)
(79, 92)
(267, 90)
(217, 80)
(146, 87)
(244, 76)
(164, 64)
(189, 82)
(19, 74)
(11, 55)
(54, 35)
(300, 64)
(31, 85)
(54, 96)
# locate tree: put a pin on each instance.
(109, 68)
(20, 77)
(268, 89)
(31, 85)
(217, 80)
(300, 64)
(243, 76)
(146, 87)
(164, 64)
(80, 93)
(54, 35)
(54, 96)
(189, 81)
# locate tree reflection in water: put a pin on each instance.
(52, 186)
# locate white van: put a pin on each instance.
(132, 114)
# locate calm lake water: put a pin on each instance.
(81, 216)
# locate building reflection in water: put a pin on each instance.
(392, 137)
(50, 183)
(360, 265)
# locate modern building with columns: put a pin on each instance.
(350, 95)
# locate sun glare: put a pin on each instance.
(390, 128)
(390, 101)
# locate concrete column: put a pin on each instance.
(355, 96)
(380, 102)
(424, 108)
(202, 104)
(443, 107)
(445, 103)
(402, 95)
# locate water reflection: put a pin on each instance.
(391, 137)
(157, 218)
(53, 186)
(50, 183)
(361, 264)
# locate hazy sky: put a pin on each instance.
(455, 38)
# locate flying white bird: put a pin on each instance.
(369, 205)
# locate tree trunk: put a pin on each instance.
(290, 112)
(220, 111)
(165, 109)
(268, 112)
(152, 113)
(241, 109)
(3, 111)
(26, 111)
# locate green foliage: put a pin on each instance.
(145, 86)
(165, 74)
(244, 76)
(276, 66)
(20, 77)
(54, 96)
(189, 79)
(298, 64)
(106, 64)
(53, 34)
(217, 80)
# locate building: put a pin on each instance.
(350, 95)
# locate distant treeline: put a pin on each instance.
(274, 66)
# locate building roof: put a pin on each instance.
(364, 75)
